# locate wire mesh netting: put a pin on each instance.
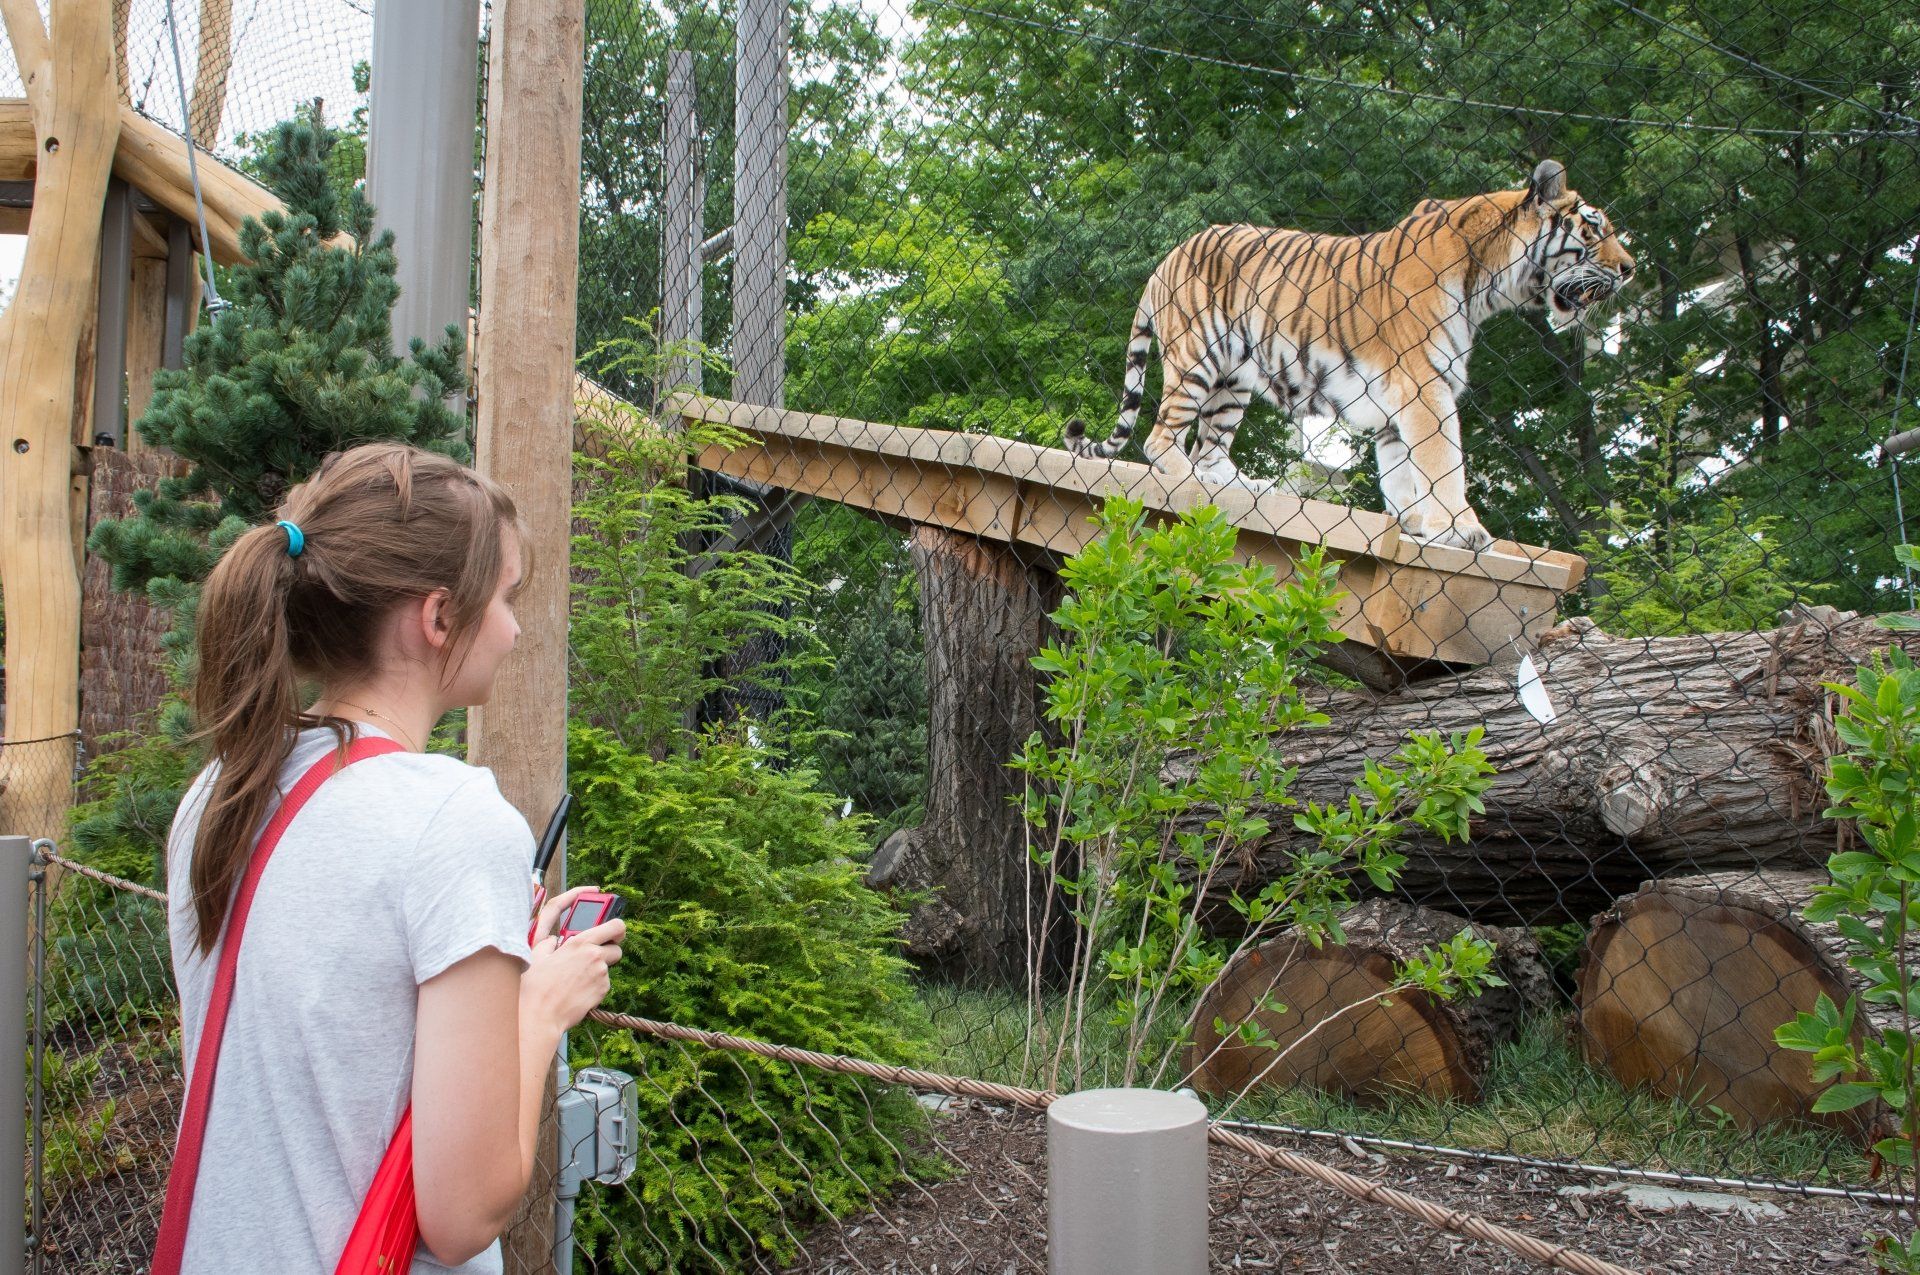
(1569, 335)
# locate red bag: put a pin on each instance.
(386, 1233)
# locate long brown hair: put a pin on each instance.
(383, 524)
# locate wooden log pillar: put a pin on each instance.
(529, 273)
(212, 64)
(984, 608)
(75, 109)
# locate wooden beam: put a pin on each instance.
(529, 277)
(153, 159)
(39, 336)
(1408, 600)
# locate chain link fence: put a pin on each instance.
(1630, 541)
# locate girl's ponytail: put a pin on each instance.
(377, 526)
(245, 693)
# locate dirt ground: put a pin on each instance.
(990, 1215)
(992, 1218)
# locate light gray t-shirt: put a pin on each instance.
(397, 868)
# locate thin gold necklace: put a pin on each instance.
(374, 712)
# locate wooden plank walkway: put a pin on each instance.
(1407, 601)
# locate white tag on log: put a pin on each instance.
(1533, 693)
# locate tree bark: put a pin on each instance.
(1667, 755)
(1684, 981)
(1336, 1033)
(984, 609)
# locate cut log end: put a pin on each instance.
(1685, 980)
(1337, 1034)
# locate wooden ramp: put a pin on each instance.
(1407, 604)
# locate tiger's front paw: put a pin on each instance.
(1439, 526)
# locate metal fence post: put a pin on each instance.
(682, 226)
(16, 862)
(1127, 1183)
(760, 204)
(420, 157)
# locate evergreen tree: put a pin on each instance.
(299, 364)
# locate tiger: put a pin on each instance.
(1375, 329)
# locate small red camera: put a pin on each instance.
(587, 911)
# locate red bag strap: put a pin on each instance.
(172, 1244)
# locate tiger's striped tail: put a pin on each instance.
(1138, 349)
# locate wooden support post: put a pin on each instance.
(529, 266)
(211, 67)
(683, 228)
(420, 158)
(70, 84)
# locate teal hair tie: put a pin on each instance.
(296, 540)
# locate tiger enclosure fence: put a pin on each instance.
(901, 756)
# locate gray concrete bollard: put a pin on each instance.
(1127, 1183)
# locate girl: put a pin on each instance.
(385, 957)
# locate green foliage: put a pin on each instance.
(1873, 900)
(1677, 557)
(299, 365)
(655, 614)
(746, 912)
(870, 701)
(1908, 556)
(1178, 660)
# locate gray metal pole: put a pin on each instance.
(683, 228)
(1127, 1183)
(183, 295)
(110, 332)
(420, 152)
(760, 204)
(16, 863)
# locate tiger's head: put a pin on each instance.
(1577, 258)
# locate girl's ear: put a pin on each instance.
(436, 622)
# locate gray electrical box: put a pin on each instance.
(599, 1126)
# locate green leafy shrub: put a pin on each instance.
(1874, 899)
(747, 913)
(1171, 648)
(654, 615)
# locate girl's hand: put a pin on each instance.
(566, 980)
(553, 909)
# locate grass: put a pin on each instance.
(1540, 1099)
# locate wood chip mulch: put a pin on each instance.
(991, 1217)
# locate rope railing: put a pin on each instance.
(1438, 1216)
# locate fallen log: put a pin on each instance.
(1326, 1024)
(1684, 981)
(1666, 755)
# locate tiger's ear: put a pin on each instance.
(1549, 181)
